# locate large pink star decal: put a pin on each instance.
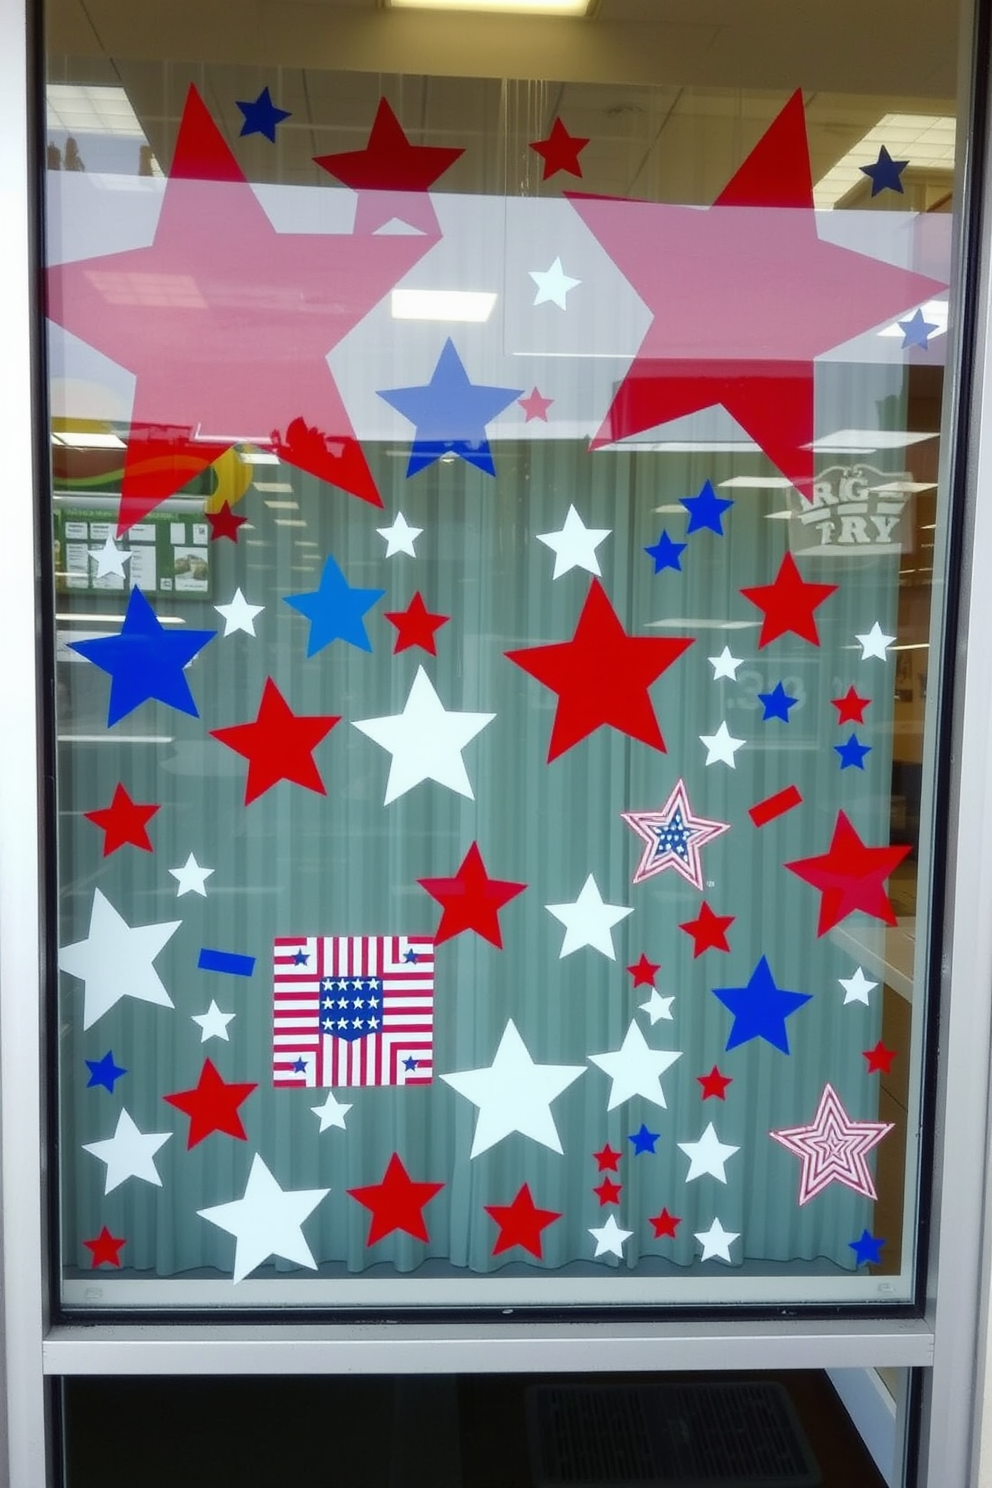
(227, 324)
(744, 296)
(833, 1148)
(673, 838)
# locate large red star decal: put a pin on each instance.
(744, 299)
(708, 930)
(105, 1248)
(601, 676)
(471, 900)
(415, 626)
(788, 604)
(278, 745)
(850, 876)
(123, 822)
(391, 175)
(521, 1223)
(560, 151)
(227, 325)
(397, 1203)
(212, 1105)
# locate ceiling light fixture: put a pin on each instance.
(513, 7)
(442, 304)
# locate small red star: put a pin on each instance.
(105, 1249)
(520, 1223)
(850, 707)
(850, 876)
(535, 406)
(416, 626)
(397, 1203)
(788, 604)
(879, 1059)
(471, 900)
(212, 1105)
(560, 151)
(714, 1084)
(123, 822)
(644, 971)
(608, 1192)
(225, 523)
(708, 930)
(665, 1225)
(278, 745)
(607, 1160)
(392, 175)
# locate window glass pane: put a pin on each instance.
(493, 535)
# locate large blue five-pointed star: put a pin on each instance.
(916, 331)
(643, 1140)
(335, 610)
(451, 414)
(868, 1250)
(706, 510)
(760, 1009)
(776, 703)
(145, 661)
(886, 173)
(104, 1072)
(261, 115)
(665, 553)
(852, 752)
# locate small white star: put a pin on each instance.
(635, 1069)
(110, 559)
(553, 285)
(708, 1155)
(874, 643)
(191, 878)
(857, 987)
(716, 1242)
(213, 1023)
(129, 1153)
(574, 546)
(609, 1237)
(332, 1112)
(589, 921)
(401, 537)
(238, 614)
(721, 747)
(657, 1006)
(725, 665)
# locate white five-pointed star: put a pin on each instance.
(857, 987)
(708, 1155)
(589, 921)
(213, 1023)
(874, 643)
(514, 1094)
(115, 960)
(191, 878)
(721, 747)
(716, 1242)
(238, 614)
(636, 1069)
(425, 741)
(657, 1006)
(110, 559)
(574, 546)
(129, 1153)
(725, 665)
(401, 537)
(266, 1221)
(553, 285)
(609, 1238)
(332, 1112)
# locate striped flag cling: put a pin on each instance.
(352, 1010)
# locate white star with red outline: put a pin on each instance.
(674, 836)
(833, 1148)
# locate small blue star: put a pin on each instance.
(776, 703)
(852, 753)
(868, 1250)
(665, 553)
(335, 610)
(760, 1009)
(301, 958)
(885, 174)
(261, 116)
(104, 1072)
(450, 414)
(643, 1140)
(300, 1067)
(705, 510)
(917, 331)
(411, 956)
(409, 1063)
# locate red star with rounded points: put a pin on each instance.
(608, 1192)
(560, 151)
(879, 1059)
(607, 1160)
(788, 604)
(850, 707)
(601, 676)
(278, 745)
(415, 626)
(225, 523)
(664, 1225)
(850, 876)
(397, 1203)
(212, 1105)
(714, 1084)
(105, 1249)
(520, 1223)
(644, 971)
(209, 376)
(471, 900)
(123, 822)
(391, 175)
(708, 930)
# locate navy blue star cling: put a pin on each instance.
(852, 752)
(706, 511)
(450, 414)
(665, 553)
(335, 610)
(867, 1249)
(886, 173)
(145, 661)
(261, 116)
(760, 1009)
(104, 1072)
(776, 703)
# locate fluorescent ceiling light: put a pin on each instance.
(81, 110)
(516, 7)
(88, 441)
(273, 485)
(283, 505)
(707, 624)
(290, 522)
(442, 304)
(756, 483)
(867, 441)
(82, 618)
(925, 140)
(257, 457)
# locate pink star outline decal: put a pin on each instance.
(673, 837)
(833, 1148)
